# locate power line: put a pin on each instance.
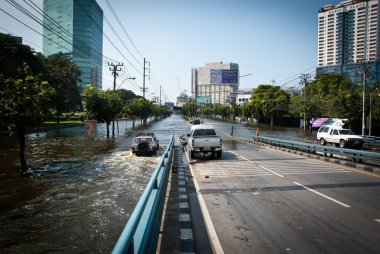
(122, 27)
(291, 77)
(125, 46)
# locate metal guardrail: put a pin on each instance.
(140, 235)
(354, 155)
(372, 140)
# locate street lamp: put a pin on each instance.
(133, 78)
(233, 96)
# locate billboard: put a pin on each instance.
(221, 76)
(202, 100)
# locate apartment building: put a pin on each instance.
(348, 35)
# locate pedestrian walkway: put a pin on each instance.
(176, 234)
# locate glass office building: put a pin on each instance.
(75, 27)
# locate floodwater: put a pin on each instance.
(81, 193)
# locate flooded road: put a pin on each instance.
(81, 192)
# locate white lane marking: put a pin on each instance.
(217, 247)
(238, 175)
(253, 162)
(323, 195)
(377, 220)
(267, 169)
(315, 172)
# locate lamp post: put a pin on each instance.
(133, 78)
(233, 95)
(113, 122)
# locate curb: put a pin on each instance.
(367, 168)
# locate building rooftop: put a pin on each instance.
(330, 7)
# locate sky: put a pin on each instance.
(270, 40)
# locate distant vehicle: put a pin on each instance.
(194, 121)
(203, 139)
(145, 144)
(339, 136)
(197, 121)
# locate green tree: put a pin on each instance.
(375, 100)
(127, 95)
(329, 95)
(189, 109)
(141, 108)
(14, 57)
(270, 100)
(63, 74)
(103, 106)
(24, 104)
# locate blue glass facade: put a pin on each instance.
(354, 71)
(75, 27)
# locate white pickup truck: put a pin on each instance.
(203, 139)
(339, 136)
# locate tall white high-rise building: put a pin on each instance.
(215, 82)
(348, 36)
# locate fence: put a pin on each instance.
(140, 235)
(354, 155)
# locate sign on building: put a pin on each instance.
(204, 100)
(221, 76)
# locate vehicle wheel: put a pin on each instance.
(219, 154)
(342, 143)
(323, 142)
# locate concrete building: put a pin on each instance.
(244, 96)
(348, 36)
(215, 82)
(182, 99)
(76, 29)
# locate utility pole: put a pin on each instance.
(160, 93)
(304, 80)
(143, 88)
(114, 68)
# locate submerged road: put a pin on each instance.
(259, 200)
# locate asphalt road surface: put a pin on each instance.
(259, 200)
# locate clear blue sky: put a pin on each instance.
(272, 39)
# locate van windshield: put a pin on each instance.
(346, 132)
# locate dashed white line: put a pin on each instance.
(323, 195)
(377, 220)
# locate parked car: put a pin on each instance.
(339, 136)
(203, 139)
(145, 144)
